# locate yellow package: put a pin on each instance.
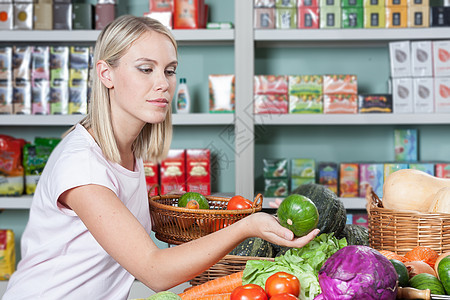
(7, 254)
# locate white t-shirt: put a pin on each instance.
(60, 257)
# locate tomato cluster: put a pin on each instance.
(279, 286)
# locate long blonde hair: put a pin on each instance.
(115, 39)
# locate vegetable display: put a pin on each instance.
(357, 272)
(299, 214)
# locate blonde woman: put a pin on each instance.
(88, 231)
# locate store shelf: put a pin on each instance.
(349, 203)
(352, 119)
(341, 35)
(183, 36)
(22, 202)
(67, 120)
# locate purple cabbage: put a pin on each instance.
(357, 272)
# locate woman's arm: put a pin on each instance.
(123, 237)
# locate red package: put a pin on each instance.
(173, 172)
(188, 14)
(340, 104)
(198, 171)
(442, 170)
(308, 17)
(161, 5)
(271, 104)
(340, 84)
(271, 84)
(151, 177)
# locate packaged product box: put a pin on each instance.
(271, 84)
(442, 170)
(78, 63)
(406, 145)
(285, 3)
(424, 167)
(275, 168)
(83, 16)
(59, 97)
(330, 17)
(421, 59)
(221, 93)
(276, 187)
(349, 180)
(374, 103)
(361, 220)
(349, 219)
(21, 62)
(104, 14)
(264, 3)
(442, 94)
(59, 63)
(390, 168)
(352, 3)
(40, 97)
(43, 16)
(306, 103)
(402, 95)
(6, 59)
(188, 14)
(308, 17)
(6, 97)
(173, 172)
(340, 84)
(340, 104)
(329, 3)
(271, 104)
(396, 3)
(328, 175)
(371, 174)
(374, 16)
(305, 84)
(374, 3)
(62, 16)
(78, 97)
(400, 59)
(7, 254)
(264, 18)
(161, 5)
(21, 97)
(303, 167)
(198, 171)
(6, 10)
(396, 17)
(165, 18)
(151, 170)
(307, 3)
(219, 25)
(441, 58)
(418, 16)
(11, 167)
(423, 94)
(439, 16)
(23, 16)
(424, 3)
(285, 18)
(298, 181)
(40, 62)
(352, 17)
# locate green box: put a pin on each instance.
(276, 187)
(352, 17)
(286, 18)
(305, 84)
(352, 3)
(297, 182)
(330, 17)
(306, 103)
(303, 167)
(286, 3)
(329, 3)
(82, 17)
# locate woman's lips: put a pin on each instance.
(161, 102)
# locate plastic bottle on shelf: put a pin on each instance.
(183, 101)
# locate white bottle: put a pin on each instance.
(183, 101)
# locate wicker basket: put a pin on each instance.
(177, 225)
(401, 231)
(227, 265)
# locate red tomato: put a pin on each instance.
(248, 292)
(284, 296)
(239, 202)
(282, 282)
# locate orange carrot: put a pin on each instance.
(221, 285)
(225, 296)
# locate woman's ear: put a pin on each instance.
(104, 73)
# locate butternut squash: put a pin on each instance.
(410, 189)
(441, 201)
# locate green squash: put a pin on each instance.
(402, 271)
(299, 214)
(254, 246)
(186, 197)
(444, 273)
(355, 234)
(425, 281)
(332, 213)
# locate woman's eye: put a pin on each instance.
(171, 72)
(146, 70)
